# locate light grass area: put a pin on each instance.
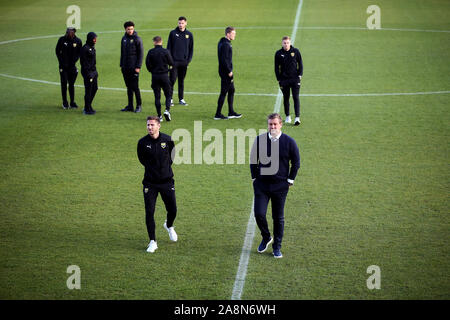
(372, 188)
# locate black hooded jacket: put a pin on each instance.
(225, 55)
(68, 51)
(131, 51)
(88, 57)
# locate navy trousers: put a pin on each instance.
(277, 193)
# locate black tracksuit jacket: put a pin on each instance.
(158, 60)
(288, 64)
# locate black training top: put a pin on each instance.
(68, 51)
(156, 156)
(181, 45)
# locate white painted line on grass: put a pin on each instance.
(279, 96)
(241, 274)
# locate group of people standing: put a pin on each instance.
(275, 157)
(167, 65)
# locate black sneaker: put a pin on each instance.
(127, 109)
(167, 115)
(264, 245)
(138, 109)
(88, 112)
(297, 121)
(183, 103)
(234, 115)
(220, 117)
(65, 105)
(73, 105)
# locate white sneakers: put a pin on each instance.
(152, 246)
(289, 120)
(172, 234)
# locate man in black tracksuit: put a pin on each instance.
(289, 71)
(155, 152)
(225, 55)
(181, 47)
(131, 55)
(274, 163)
(158, 62)
(68, 52)
(89, 72)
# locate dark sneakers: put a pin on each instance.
(127, 109)
(220, 117)
(89, 112)
(234, 115)
(65, 105)
(264, 245)
(138, 109)
(277, 254)
(73, 105)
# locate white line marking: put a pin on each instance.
(279, 96)
(241, 28)
(241, 274)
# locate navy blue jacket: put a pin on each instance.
(267, 168)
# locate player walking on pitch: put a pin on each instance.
(155, 152)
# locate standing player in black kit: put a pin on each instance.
(181, 47)
(131, 55)
(68, 52)
(225, 55)
(158, 62)
(155, 152)
(289, 71)
(89, 72)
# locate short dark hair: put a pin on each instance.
(128, 24)
(274, 116)
(228, 30)
(286, 38)
(157, 39)
(156, 118)
(182, 18)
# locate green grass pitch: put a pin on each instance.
(373, 188)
